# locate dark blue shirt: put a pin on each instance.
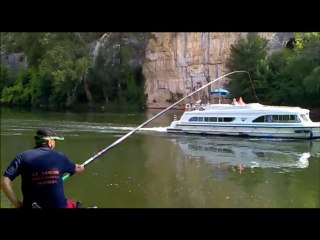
(41, 170)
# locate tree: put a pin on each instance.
(303, 70)
(63, 58)
(20, 92)
(246, 54)
(118, 67)
(64, 68)
(5, 77)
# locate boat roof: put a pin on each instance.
(252, 108)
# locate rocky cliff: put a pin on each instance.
(179, 63)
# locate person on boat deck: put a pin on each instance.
(240, 101)
(41, 169)
(234, 102)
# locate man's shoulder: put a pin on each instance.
(59, 153)
(28, 151)
(37, 150)
(33, 150)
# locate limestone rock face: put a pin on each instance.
(177, 63)
(15, 61)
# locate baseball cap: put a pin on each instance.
(45, 134)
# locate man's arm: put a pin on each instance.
(8, 191)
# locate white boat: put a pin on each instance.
(246, 120)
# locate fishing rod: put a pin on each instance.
(149, 120)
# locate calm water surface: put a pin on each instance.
(154, 169)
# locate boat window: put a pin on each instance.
(275, 118)
(225, 119)
(211, 119)
(269, 118)
(278, 118)
(193, 119)
(304, 117)
(228, 119)
(293, 118)
(260, 119)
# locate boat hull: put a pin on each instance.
(247, 120)
(248, 131)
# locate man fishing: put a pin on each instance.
(41, 169)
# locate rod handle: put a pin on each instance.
(65, 177)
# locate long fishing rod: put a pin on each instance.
(149, 120)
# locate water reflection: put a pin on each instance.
(237, 154)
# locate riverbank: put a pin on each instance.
(117, 107)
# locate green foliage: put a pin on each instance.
(246, 55)
(312, 81)
(307, 61)
(262, 74)
(118, 68)
(285, 77)
(67, 69)
(274, 79)
(302, 70)
(64, 72)
(6, 78)
(58, 56)
(32, 44)
(41, 86)
(20, 93)
(102, 80)
(303, 39)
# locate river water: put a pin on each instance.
(154, 169)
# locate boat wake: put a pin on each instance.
(154, 129)
(72, 128)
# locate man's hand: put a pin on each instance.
(79, 168)
(18, 204)
(9, 192)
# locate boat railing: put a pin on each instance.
(196, 106)
(203, 106)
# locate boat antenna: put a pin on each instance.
(65, 177)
